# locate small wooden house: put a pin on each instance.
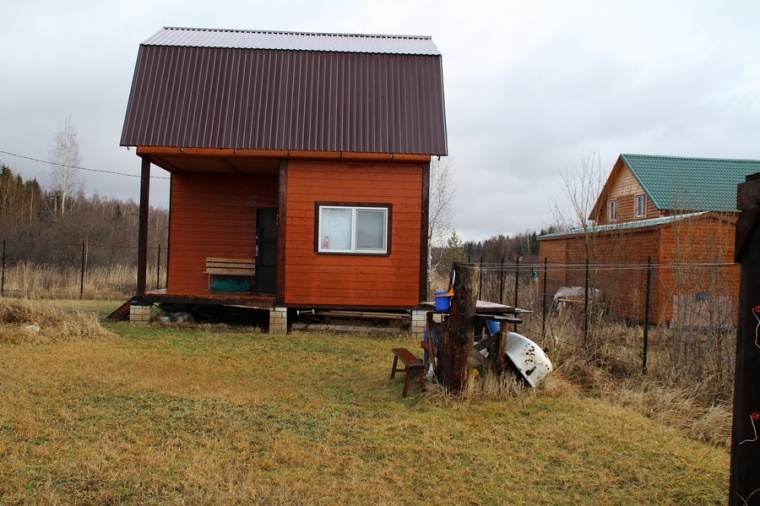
(675, 211)
(299, 165)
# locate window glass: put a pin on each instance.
(345, 229)
(370, 229)
(612, 214)
(336, 228)
(641, 206)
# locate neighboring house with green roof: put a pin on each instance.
(669, 209)
(644, 186)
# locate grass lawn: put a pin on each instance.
(204, 415)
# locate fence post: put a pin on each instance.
(158, 268)
(480, 282)
(745, 447)
(646, 314)
(517, 284)
(81, 274)
(585, 306)
(501, 281)
(543, 301)
(2, 278)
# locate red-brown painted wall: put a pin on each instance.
(213, 215)
(312, 279)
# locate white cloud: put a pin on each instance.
(530, 86)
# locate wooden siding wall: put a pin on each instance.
(709, 239)
(624, 189)
(391, 281)
(704, 240)
(213, 215)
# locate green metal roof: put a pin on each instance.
(627, 225)
(690, 184)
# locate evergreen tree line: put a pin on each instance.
(35, 228)
(494, 250)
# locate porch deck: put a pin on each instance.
(252, 300)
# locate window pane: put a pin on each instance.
(640, 205)
(370, 225)
(336, 229)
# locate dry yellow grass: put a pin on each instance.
(210, 415)
(38, 281)
(610, 368)
(24, 321)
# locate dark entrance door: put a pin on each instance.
(266, 249)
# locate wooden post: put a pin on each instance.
(2, 280)
(81, 272)
(585, 307)
(142, 234)
(745, 446)
(543, 299)
(158, 268)
(456, 342)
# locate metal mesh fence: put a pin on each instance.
(71, 270)
(599, 311)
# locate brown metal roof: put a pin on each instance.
(294, 41)
(286, 91)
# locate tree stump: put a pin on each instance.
(456, 342)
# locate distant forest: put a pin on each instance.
(33, 228)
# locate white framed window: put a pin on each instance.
(357, 229)
(612, 210)
(641, 206)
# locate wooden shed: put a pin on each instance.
(299, 165)
(681, 213)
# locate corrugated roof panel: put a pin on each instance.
(326, 42)
(213, 97)
(625, 226)
(692, 184)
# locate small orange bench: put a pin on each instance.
(411, 364)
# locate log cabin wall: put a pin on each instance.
(314, 279)
(624, 189)
(624, 290)
(213, 215)
(708, 239)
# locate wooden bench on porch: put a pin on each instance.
(229, 267)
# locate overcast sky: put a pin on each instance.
(532, 87)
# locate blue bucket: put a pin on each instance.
(442, 301)
(493, 326)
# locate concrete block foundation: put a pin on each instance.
(278, 320)
(419, 321)
(139, 314)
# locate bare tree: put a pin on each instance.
(64, 158)
(440, 213)
(582, 187)
(441, 196)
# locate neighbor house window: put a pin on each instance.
(641, 206)
(612, 210)
(353, 229)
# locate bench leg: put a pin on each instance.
(408, 377)
(406, 381)
(393, 369)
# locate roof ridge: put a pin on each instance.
(707, 159)
(287, 32)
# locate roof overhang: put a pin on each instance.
(253, 161)
(626, 226)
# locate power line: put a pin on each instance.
(76, 166)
